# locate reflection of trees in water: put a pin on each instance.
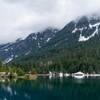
(14, 91)
(44, 88)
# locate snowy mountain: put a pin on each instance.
(51, 41)
(83, 29)
(78, 40)
(20, 47)
(79, 31)
(87, 28)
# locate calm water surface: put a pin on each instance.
(51, 89)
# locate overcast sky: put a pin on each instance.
(18, 18)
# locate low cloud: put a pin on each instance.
(18, 18)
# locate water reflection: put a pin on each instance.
(44, 88)
(79, 81)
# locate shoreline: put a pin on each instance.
(34, 76)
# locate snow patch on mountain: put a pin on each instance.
(39, 45)
(83, 38)
(48, 39)
(27, 53)
(94, 25)
(6, 50)
(90, 26)
(8, 60)
(78, 29)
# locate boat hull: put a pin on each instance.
(79, 77)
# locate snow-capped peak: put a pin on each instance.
(83, 38)
(86, 28)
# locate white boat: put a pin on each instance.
(50, 75)
(78, 75)
(87, 75)
(60, 74)
(66, 74)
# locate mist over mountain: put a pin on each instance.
(19, 18)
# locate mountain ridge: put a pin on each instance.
(76, 44)
(20, 47)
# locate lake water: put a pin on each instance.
(44, 88)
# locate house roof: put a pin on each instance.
(79, 72)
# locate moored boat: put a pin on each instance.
(66, 74)
(60, 74)
(78, 75)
